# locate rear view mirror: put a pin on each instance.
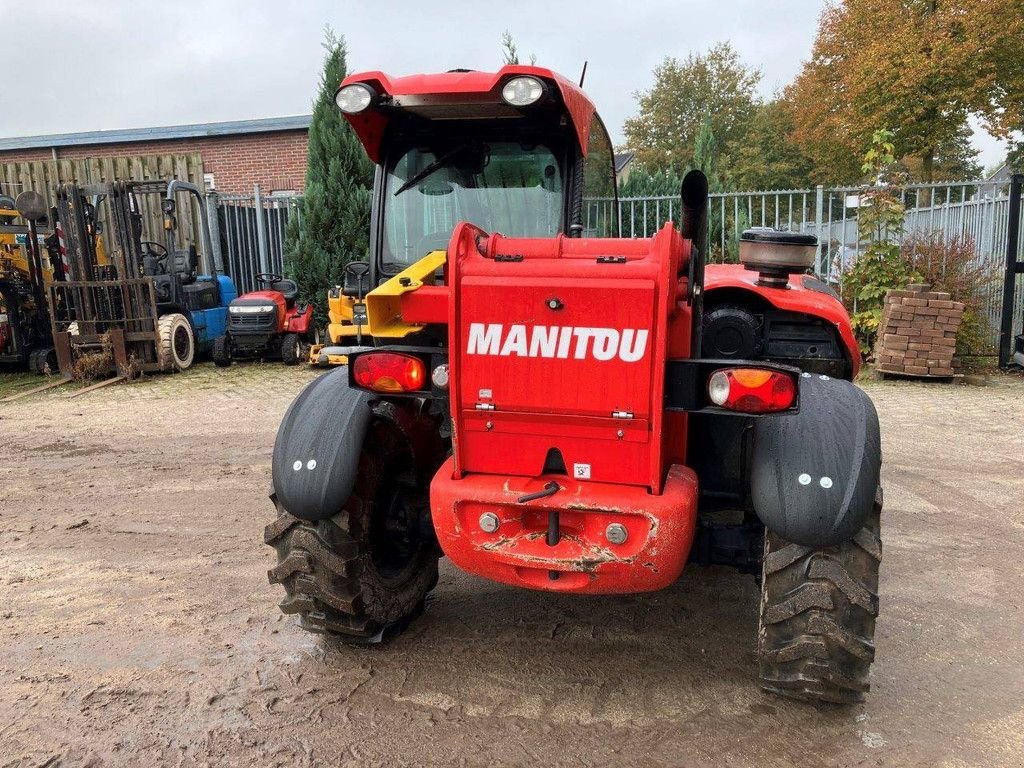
(357, 279)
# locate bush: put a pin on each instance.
(879, 268)
(952, 266)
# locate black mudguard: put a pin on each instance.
(815, 473)
(316, 453)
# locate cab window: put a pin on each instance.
(600, 210)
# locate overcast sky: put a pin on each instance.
(111, 64)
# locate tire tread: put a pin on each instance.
(818, 611)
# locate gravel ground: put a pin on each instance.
(137, 626)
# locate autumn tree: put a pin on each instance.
(916, 67)
(715, 85)
(956, 159)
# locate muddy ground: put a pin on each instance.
(137, 626)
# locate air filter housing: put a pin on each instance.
(776, 254)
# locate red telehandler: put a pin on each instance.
(557, 408)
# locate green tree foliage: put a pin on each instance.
(706, 154)
(643, 182)
(919, 66)
(880, 266)
(768, 158)
(706, 158)
(714, 85)
(333, 222)
(714, 95)
(1015, 157)
(956, 159)
(509, 51)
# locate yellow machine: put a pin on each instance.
(25, 275)
(29, 264)
(358, 316)
(342, 331)
(13, 250)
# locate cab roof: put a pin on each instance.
(458, 94)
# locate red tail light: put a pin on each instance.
(751, 390)
(389, 372)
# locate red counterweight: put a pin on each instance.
(557, 351)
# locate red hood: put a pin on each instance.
(446, 89)
(799, 296)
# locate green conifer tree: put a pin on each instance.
(332, 225)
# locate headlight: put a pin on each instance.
(251, 309)
(523, 91)
(354, 98)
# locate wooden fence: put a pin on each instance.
(43, 176)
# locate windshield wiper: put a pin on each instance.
(429, 169)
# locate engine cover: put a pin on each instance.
(558, 349)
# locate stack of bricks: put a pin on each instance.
(917, 335)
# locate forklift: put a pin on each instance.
(24, 276)
(149, 306)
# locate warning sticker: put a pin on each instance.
(581, 471)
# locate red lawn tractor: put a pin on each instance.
(555, 407)
(267, 324)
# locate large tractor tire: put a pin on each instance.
(818, 611)
(221, 351)
(291, 349)
(363, 574)
(177, 346)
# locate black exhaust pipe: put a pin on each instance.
(694, 227)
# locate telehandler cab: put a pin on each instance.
(554, 407)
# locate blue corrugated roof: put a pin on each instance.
(232, 127)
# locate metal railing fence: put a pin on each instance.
(250, 231)
(252, 227)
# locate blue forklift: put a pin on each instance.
(151, 304)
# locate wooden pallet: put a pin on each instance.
(882, 373)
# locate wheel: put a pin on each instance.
(177, 347)
(221, 351)
(363, 574)
(818, 611)
(291, 348)
(44, 361)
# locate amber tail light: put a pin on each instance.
(751, 390)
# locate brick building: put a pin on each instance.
(236, 155)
